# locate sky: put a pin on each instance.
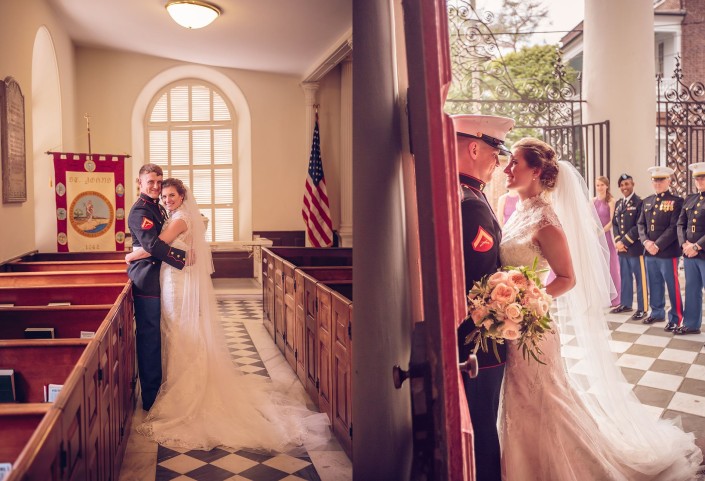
(563, 15)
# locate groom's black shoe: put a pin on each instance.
(671, 328)
(620, 308)
(686, 330)
(638, 315)
(651, 320)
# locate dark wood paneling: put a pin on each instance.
(233, 264)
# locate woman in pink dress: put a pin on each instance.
(506, 205)
(604, 204)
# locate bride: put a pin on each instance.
(574, 418)
(205, 401)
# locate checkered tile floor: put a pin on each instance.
(667, 371)
(222, 464)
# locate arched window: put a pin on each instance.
(189, 133)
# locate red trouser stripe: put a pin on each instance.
(677, 290)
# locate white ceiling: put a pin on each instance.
(281, 36)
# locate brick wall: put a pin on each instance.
(693, 53)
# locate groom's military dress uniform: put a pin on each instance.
(145, 221)
(631, 263)
(481, 237)
(658, 223)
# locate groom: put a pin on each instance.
(480, 140)
(145, 222)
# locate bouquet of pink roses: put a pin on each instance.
(510, 304)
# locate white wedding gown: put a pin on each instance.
(548, 428)
(204, 400)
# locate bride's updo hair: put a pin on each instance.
(176, 183)
(540, 155)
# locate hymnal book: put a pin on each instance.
(5, 469)
(59, 304)
(39, 333)
(51, 392)
(7, 386)
(87, 334)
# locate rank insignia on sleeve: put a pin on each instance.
(483, 241)
(147, 224)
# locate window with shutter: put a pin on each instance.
(189, 133)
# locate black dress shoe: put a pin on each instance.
(671, 328)
(651, 320)
(638, 315)
(686, 330)
(620, 308)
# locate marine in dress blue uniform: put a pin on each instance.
(658, 233)
(482, 234)
(145, 221)
(691, 236)
(630, 251)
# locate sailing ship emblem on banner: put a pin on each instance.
(90, 202)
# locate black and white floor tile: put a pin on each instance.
(667, 371)
(221, 464)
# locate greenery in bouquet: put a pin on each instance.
(511, 305)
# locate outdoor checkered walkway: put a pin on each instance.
(220, 463)
(667, 371)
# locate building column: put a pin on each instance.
(311, 99)
(345, 232)
(619, 82)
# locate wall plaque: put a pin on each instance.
(12, 142)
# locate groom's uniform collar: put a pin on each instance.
(471, 182)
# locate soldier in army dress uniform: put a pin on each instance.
(658, 233)
(691, 237)
(629, 250)
(480, 140)
(145, 222)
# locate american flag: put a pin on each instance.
(316, 212)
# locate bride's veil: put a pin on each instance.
(638, 438)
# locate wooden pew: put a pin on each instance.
(30, 439)
(74, 256)
(306, 325)
(67, 321)
(44, 279)
(56, 266)
(341, 363)
(98, 398)
(325, 324)
(274, 278)
(74, 294)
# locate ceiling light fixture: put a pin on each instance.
(192, 13)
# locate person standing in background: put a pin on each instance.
(691, 237)
(506, 205)
(604, 205)
(629, 250)
(658, 232)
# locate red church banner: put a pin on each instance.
(90, 202)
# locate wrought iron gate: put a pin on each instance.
(483, 84)
(680, 123)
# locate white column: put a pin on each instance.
(619, 85)
(345, 231)
(310, 97)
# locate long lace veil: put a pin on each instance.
(639, 438)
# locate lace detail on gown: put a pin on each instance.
(546, 431)
(205, 400)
